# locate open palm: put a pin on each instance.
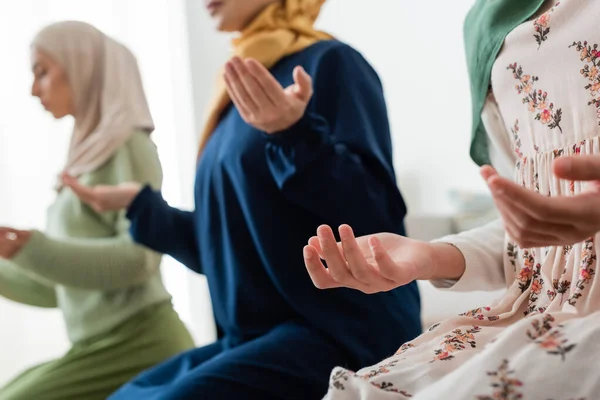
(371, 264)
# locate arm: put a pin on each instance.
(17, 286)
(337, 160)
(163, 228)
(483, 248)
(112, 261)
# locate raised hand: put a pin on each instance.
(104, 197)
(261, 100)
(535, 220)
(11, 241)
(376, 263)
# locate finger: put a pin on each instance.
(85, 193)
(304, 88)
(388, 269)
(270, 85)
(536, 205)
(232, 95)
(253, 87)
(358, 265)
(317, 271)
(336, 264)
(524, 224)
(524, 235)
(577, 168)
(237, 87)
(314, 242)
(487, 172)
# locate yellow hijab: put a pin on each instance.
(282, 28)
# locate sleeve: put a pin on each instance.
(337, 160)
(100, 263)
(16, 285)
(483, 247)
(163, 228)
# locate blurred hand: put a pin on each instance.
(371, 264)
(12, 241)
(261, 100)
(104, 197)
(535, 220)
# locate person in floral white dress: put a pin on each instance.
(541, 340)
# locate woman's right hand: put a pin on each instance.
(104, 197)
(377, 263)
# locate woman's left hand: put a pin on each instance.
(12, 241)
(534, 220)
(261, 100)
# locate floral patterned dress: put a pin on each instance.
(541, 340)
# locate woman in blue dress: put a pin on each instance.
(298, 124)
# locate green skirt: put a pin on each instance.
(95, 368)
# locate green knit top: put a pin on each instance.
(85, 262)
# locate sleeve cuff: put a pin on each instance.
(29, 255)
(141, 202)
(469, 279)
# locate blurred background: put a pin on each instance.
(418, 54)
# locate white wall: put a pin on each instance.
(417, 48)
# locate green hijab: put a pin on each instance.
(486, 26)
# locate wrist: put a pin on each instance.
(447, 262)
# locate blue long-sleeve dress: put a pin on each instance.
(258, 199)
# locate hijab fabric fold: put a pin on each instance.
(110, 103)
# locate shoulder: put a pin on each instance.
(335, 54)
(136, 160)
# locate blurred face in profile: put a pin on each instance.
(235, 15)
(51, 85)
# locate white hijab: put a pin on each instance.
(110, 104)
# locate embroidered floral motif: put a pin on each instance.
(586, 270)
(558, 153)
(505, 387)
(454, 342)
(567, 250)
(338, 378)
(478, 314)
(536, 182)
(381, 369)
(541, 25)
(540, 327)
(536, 100)
(524, 277)
(561, 287)
(591, 71)
(389, 387)
(555, 344)
(512, 250)
(404, 347)
(537, 285)
(577, 147)
(576, 151)
(433, 327)
(517, 139)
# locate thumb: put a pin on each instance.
(303, 89)
(487, 172)
(578, 168)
